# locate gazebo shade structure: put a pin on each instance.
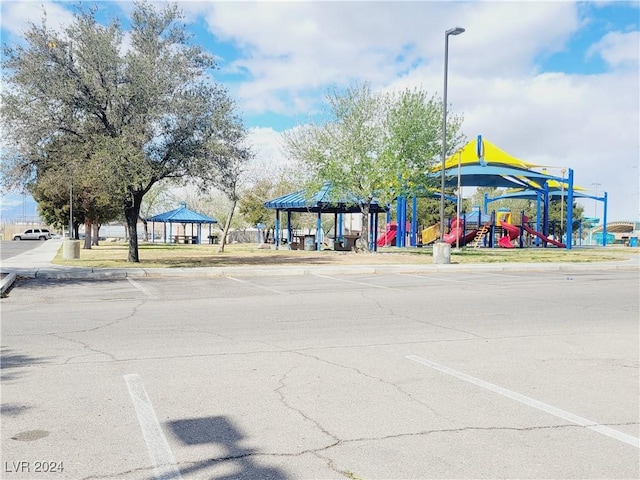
(183, 216)
(319, 202)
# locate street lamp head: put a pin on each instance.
(454, 31)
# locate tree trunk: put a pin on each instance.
(146, 228)
(95, 236)
(87, 233)
(364, 235)
(131, 213)
(227, 226)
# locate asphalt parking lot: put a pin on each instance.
(461, 375)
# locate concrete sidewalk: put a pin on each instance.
(36, 263)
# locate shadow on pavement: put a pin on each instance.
(220, 431)
(13, 409)
(11, 362)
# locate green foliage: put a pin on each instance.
(373, 145)
(558, 215)
(414, 139)
(251, 205)
(117, 119)
(429, 211)
(513, 205)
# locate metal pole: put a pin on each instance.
(444, 135)
(595, 206)
(452, 31)
(604, 220)
(569, 240)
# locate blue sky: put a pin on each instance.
(554, 83)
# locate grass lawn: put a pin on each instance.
(114, 255)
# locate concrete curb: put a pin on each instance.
(40, 258)
(80, 273)
(7, 281)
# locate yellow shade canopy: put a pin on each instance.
(553, 186)
(481, 151)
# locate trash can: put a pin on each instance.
(310, 242)
(633, 241)
(71, 249)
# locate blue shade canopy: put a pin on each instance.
(532, 195)
(491, 176)
(320, 201)
(182, 215)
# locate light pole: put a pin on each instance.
(451, 31)
(595, 206)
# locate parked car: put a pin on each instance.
(33, 234)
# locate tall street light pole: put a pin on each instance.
(451, 31)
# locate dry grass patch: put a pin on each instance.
(188, 256)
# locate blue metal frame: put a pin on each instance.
(414, 221)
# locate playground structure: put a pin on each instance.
(498, 229)
(479, 164)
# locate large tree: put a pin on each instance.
(374, 146)
(145, 104)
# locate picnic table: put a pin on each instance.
(185, 239)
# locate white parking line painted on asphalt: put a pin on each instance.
(506, 275)
(436, 279)
(143, 289)
(272, 290)
(161, 456)
(352, 281)
(532, 402)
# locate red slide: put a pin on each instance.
(467, 238)
(387, 238)
(457, 233)
(513, 232)
(543, 238)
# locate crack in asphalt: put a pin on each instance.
(283, 400)
(85, 345)
(337, 443)
(471, 428)
(393, 313)
(379, 379)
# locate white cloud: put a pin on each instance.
(294, 50)
(586, 122)
(269, 160)
(18, 15)
(618, 49)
